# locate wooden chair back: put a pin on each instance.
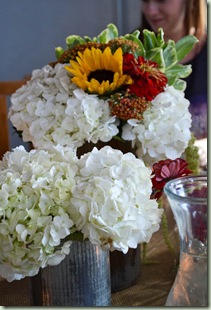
(7, 88)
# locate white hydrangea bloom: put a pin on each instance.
(35, 193)
(48, 195)
(111, 204)
(50, 110)
(165, 130)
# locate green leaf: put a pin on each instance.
(184, 46)
(87, 39)
(74, 40)
(180, 84)
(171, 78)
(59, 51)
(136, 34)
(170, 55)
(179, 70)
(150, 40)
(133, 38)
(110, 33)
(160, 38)
(156, 55)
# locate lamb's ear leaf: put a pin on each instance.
(150, 40)
(180, 84)
(170, 55)
(175, 73)
(184, 46)
(179, 70)
(74, 40)
(110, 33)
(156, 55)
(140, 51)
(59, 51)
(160, 38)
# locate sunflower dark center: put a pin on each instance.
(101, 75)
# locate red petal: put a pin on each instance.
(165, 172)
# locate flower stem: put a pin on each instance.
(165, 230)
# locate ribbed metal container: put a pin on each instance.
(125, 268)
(82, 279)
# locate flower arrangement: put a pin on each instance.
(50, 197)
(99, 89)
(110, 87)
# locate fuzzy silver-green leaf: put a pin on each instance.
(185, 45)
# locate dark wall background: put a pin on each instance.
(31, 29)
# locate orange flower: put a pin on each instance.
(126, 106)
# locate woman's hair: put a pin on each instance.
(195, 21)
(196, 18)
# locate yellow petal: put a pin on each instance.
(92, 60)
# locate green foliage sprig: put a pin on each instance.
(192, 156)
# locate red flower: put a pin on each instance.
(166, 170)
(148, 81)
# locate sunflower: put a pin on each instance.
(99, 72)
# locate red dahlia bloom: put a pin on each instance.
(166, 170)
(148, 81)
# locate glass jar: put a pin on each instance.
(188, 199)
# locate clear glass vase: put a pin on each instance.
(188, 199)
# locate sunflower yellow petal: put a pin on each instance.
(98, 58)
(107, 59)
(93, 86)
(80, 83)
(74, 68)
(83, 65)
(117, 63)
(119, 60)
